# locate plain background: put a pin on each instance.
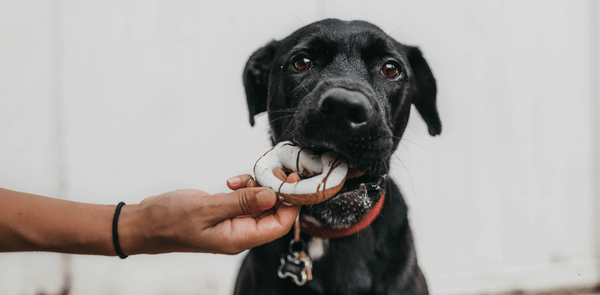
(108, 101)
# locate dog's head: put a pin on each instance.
(346, 87)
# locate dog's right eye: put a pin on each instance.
(390, 70)
(303, 64)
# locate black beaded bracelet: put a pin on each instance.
(116, 234)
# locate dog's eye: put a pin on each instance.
(390, 70)
(303, 64)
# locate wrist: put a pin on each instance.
(131, 231)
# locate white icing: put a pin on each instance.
(306, 163)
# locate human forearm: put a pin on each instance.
(35, 223)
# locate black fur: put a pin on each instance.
(343, 103)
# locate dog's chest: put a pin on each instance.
(339, 267)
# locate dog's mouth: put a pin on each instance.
(356, 198)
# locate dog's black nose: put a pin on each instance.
(345, 106)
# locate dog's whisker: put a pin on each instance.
(390, 34)
(418, 145)
(305, 88)
(280, 118)
(302, 86)
(412, 185)
(262, 133)
(298, 18)
(288, 110)
(417, 134)
(407, 161)
(397, 162)
(387, 165)
(383, 217)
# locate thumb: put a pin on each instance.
(248, 201)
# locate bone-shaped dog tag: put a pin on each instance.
(297, 267)
(305, 257)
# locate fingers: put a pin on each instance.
(241, 181)
(246, 201)
(252, 183)
(248, 233)
(278, 172)
(269, 226)
(294, 177)
(243, 218)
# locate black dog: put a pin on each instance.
(346, 87)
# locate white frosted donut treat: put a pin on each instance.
(324, 174)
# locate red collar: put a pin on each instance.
(330, 233)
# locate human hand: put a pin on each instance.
(195, 221)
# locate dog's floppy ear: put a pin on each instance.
(256, 78)
(425, 91)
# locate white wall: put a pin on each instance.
(114, 101)
(28, 130)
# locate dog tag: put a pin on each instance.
(303, 256)
(296, 267)
(296, 264)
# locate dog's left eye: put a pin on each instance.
(303, 64)
(390, 70)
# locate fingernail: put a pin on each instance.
(266, 199)
(234, 181)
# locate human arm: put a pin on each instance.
(179, 221)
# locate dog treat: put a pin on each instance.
(324, 175)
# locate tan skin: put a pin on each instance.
(178, 221)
